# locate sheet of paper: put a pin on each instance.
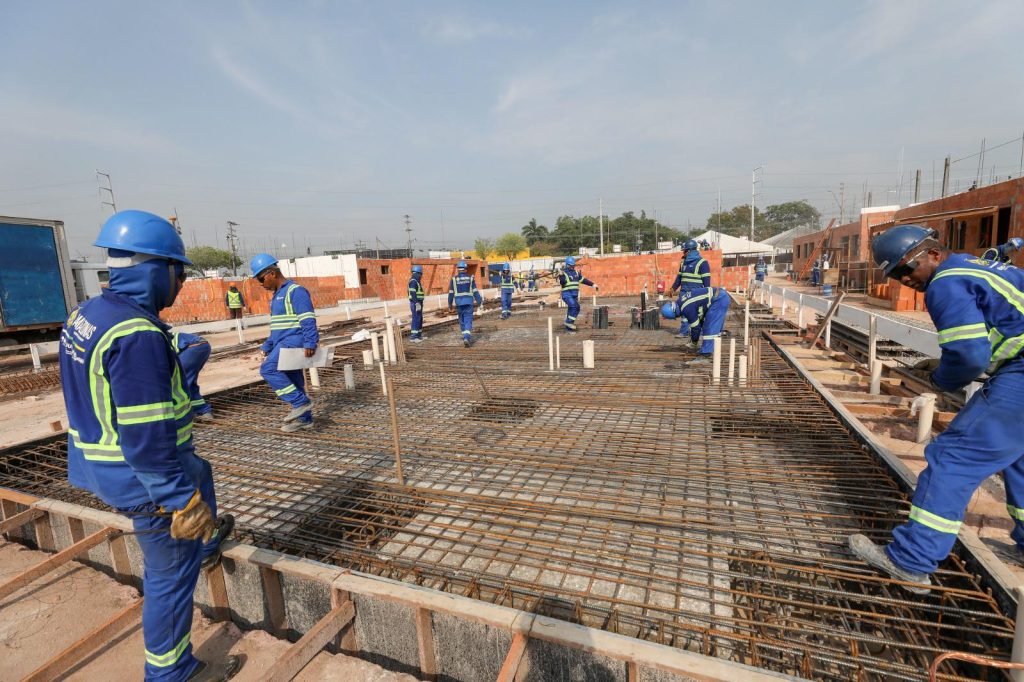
(295, 358)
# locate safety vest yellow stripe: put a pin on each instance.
(184, 433)
(172, 656)
(1015, 512)
(966, 331)
(416, 291)
(935, 522)
(142, 414)
(1009, 347)
(234, 299)
(306, 316)
(286, 390)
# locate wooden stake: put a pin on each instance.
(394, 433)
(425, 645)
(514, 658)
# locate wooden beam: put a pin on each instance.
(218, 592)
(44, 533)
(514, 658)
(275, 600)
(19, 497)
(346, 642)
(65, 660)
(632, 672)
(9, 508)
(77, 527)
(425, 645)
(303, 651)
(57, 560)
(119, 558)
(20, 519)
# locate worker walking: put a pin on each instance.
(1004, 252)
(531, 281)
(292, 325)
(570, 280)
(416, 296)
(816, 273)
(978, 310)
(760, 269)
(235, 302)
(130, 434)
(463, 293)
(694, 273)
(508, 287)
(193, 352)
(704, 310)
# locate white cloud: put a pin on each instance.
(452, 30)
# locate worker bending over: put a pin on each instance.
(705, 310)
(694, 273)
(193, 352)
(130, 434)
(416, 296)
(292, 325)
(1004, 252)
(570, 280)
(508, 286)
(978, 310)
(463, 293)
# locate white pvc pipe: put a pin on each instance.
(385, 308)
(588, 355)
(367, 359)
(732, 360)
(746, 323)
(383, 380)
(743, 370)
(716, 360)
(926, 401)
(876, 378)
(800, 313)
(390, 339)
(374, 347)
(551, 347)
(314, 377)
(783, 303)
(350, 377)
(872, 339)
(558, 352)
(828, 335)
(348, 312)
(37, 363)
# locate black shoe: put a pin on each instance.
(465, 343)
(206, 672)
(225, 526)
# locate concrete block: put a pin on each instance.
(468, 651)
(245, 594)
(549, 662)
(386, 634)
(306, 602)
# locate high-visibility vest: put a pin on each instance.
(234, 299)
(571, 280)
(416, 292)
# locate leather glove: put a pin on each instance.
(193, 522)
(928, 364)
(419, 307)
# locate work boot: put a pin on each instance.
(416, 339)
(219, 672)
(298, 412)
(225, 526)
(297, 425)
(203, 417)
(465, 343)
(863, 548)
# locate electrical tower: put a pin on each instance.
(233, 241)
(108, 188)
(408, 234)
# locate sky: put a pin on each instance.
(320, 125)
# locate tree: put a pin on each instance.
(736, 221)
(544, 247)
(209, 258)
(483, 247)
(534, 232)
(510, 244)
(782, 217)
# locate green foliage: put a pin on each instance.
(571, 233)
(209, 258)
(534, 232)
(544, 247)
(775, 219)
(510, 244)
(782, 217)
(483, 247)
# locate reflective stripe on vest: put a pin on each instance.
(417, 291)
(509, 284)
(234, 299)
(1003, 348)
(289, 320)
(570, 284)
(693, 277)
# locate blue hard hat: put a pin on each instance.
(668, 311)
(505, 267)
(417, 269)
(571, 260)
(893, 245)
(260, 262)
(142, 232)
(689, 245)
(461, 265)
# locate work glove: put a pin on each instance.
(419, 307)
(928, 364)
(193, 522)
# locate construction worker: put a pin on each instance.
(1004, 252)
(816, 273)
(462, 292)
(235, 302)
(531, 281)
(193, 352)
(704, 310)
(416, 296)
(978, 310)
(508, 286)
(570, 280)
(694, 273)
(760, 269)
(292, 325)
(130, 434)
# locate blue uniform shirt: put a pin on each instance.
(129, 414)
(507, 280)
(416, 293)
(570, 281)
(292, 320)
(693, 304)
(694, 273)
(462, 290)
(978, 309)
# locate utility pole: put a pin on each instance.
(443, 248)
(945, 177)
(981, 164)
(600, 222)
(917, 186)
(108, 188)
(753, 194)
(842, 203)
(232, 236)
(408, 234)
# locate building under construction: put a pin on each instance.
(505, 513)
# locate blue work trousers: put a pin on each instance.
(572, 301)
(983, 439)
(531, 286)
(815, 278)
(290, 385)
(466, 320)
(193, 358)
(759, 276)
(416, 327)
(714, 319)
(171, 570)
(506, 303)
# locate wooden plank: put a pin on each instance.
(20, 519)
(632, 672)
(218, 592)
(303, 651)
(425, 645)
(44, 533)
(65, 660)
(57, 560)
(514, 658)
(275, 600)
(77, 527)
(9, 509)
(19, 497)
(346, 641)
(119, 557)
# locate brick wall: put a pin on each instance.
(202, 300)
(737, 276)
(389, 279)
(627, 275)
